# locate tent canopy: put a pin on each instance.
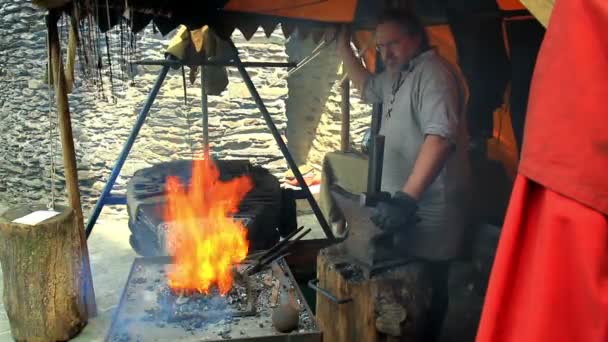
(224, 16)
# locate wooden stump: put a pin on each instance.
(43, 267)
(388, 307)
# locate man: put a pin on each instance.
(425, 159)
(549, 281)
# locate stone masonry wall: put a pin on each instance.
(102, 122)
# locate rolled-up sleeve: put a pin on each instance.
(373, 89)
(439, 104)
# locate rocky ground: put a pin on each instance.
(29, 140)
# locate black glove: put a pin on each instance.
(397, 213)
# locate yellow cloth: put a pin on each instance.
(191, 47)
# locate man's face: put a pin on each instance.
(395, 46)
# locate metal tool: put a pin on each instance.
(371, 247)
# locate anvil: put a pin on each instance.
(370, 247)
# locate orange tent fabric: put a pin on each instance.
(550, 277)
(327, 11)
(510, 5)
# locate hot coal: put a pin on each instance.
(194, 309)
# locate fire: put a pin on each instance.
(204, 241)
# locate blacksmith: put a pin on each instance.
(425, 164)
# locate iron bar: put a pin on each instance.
(141, 118)
(113, 199)
(279, 244)
(281, 252)
(376, 159)
(282, 146)
(375, 129)
(177, 63)
(314, 284)
(284, 248)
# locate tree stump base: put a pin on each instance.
(43, 268)
(390, 306)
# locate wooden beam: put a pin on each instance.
(541, 9)
(69, 155)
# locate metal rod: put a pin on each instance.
(176, 63)
(276, 255)
(345, 128)
(284, 248)
(282, 146)
(376, 159)
(126, 149)
(279, 244)
(205, 108)
(375, 128)
(314, 284)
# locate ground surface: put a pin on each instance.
(112, 256)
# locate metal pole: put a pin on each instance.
(205, 108)
(371, 166)
(176, 63)
(126, 149)
(277, 137)
(345, 129)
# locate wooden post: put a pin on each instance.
(387, 307)
(69, 156)
(345, 130)
(42, 268)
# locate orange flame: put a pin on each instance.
(204, 241)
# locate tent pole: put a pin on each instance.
(105, 197)
(69, 155)
(277, 136)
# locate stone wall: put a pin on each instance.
(102, 121)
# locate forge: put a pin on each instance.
(267, 211)
(149, 310)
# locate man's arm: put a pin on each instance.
(433, 154)
(400, 210)
(353, 66)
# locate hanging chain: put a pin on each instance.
(186, 110)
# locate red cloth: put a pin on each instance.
(565, 145)
(550, 277)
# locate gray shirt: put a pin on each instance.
(425, 98)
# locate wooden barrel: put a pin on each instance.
(43, 269)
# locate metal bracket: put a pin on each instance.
(313, 284)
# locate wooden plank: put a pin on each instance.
(541, 9)
(69, 155)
